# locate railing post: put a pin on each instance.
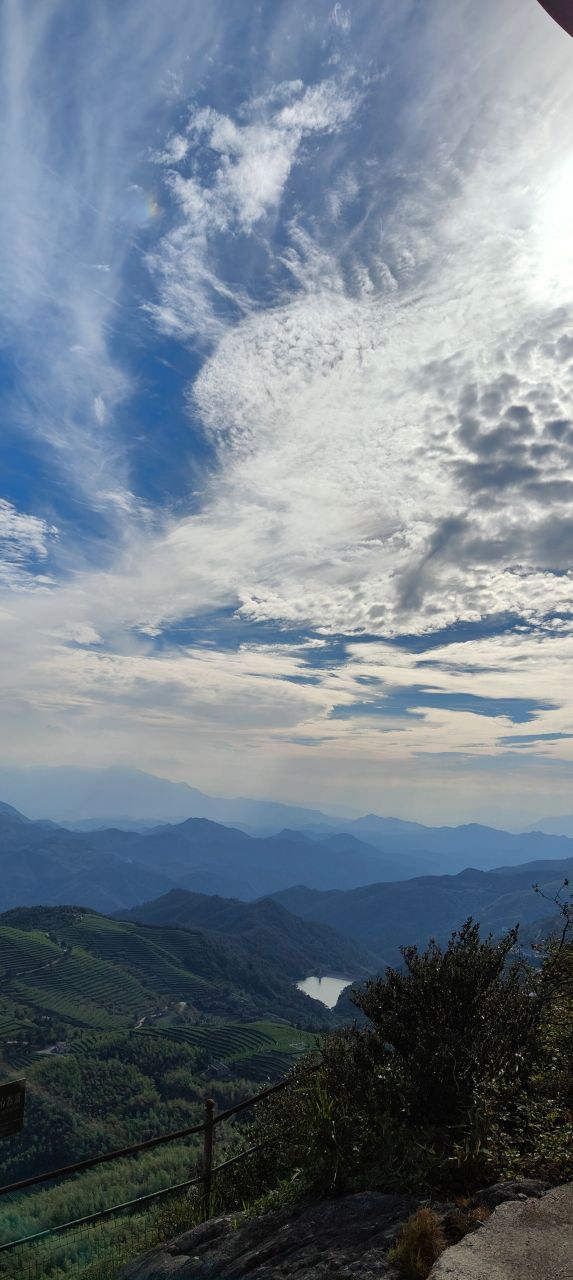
(208, 1156)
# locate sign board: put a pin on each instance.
(12, 1099)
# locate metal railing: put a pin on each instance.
(204, 1179)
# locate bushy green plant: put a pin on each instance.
(463, 1073)
(456, 1020)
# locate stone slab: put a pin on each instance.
(346, 1239)
(531, 1240)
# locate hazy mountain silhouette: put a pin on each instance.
(109, 869)
(562, 826)
(383, 917)
(112, 868)
(76, 794)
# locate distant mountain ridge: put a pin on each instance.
(441, 846)
(114, 868)
(209, 858)
(383, 917)
(72, 793)
(559, 826)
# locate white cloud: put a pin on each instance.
(24, 541)
(73, 137)
(339, 413)
(99, 410)
(369, 275)
(341, 18)
(255, 158)
(326, 106)
(21, 534)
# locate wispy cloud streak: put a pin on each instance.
(318, 264)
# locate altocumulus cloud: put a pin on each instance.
(288, 302)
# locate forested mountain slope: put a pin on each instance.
(94, 971)
(294, 945)
(78, 990)
(120, 1031)
(382, 917)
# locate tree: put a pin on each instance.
(456, 1020)
(459, 1076)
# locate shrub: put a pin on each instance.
(457, 1021)
(463, 1074)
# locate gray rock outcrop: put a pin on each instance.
(528, 1237)
(346, 1238)
(523, 1240)
(526, 1189)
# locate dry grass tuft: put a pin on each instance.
(462, 1221)
(419, 1245)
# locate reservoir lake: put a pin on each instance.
(325, 989)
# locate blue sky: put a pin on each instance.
(286, 372)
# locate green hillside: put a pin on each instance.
(110, 974)
(83, 976)
(86, 989)
(21, 952)
(298, 946)
(120, 1031)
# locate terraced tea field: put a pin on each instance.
(220, 1042)
(82, 1046)
(287, 1045)
(66, 1008)
(266, 1067)
(165, 959)
(84, 977)
(258, 1051)
(94, 975)
(82, 989)
(21, 952)
(120, 1030)
(10, 1025)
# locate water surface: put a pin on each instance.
(325, 989)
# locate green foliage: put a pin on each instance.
(21, 952)
(536, 1137)
(460, 1072)
(116, 1089)
(99, 1251)
(145, 1022)
(464, 1073)
(457, 1020)
(116, 1095)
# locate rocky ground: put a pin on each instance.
(528, 1237)
(346, 1237)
